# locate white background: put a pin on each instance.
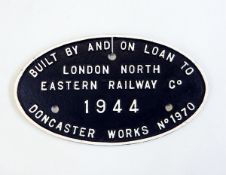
(196, 28)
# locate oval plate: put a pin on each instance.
(110, 90)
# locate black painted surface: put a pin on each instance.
(150, 102)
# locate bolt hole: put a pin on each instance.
(169, 107)
(112, 56)
(55, 109)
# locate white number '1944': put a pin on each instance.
(101, 106)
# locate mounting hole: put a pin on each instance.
(112, 56)
(55, 109)
(169, 107)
